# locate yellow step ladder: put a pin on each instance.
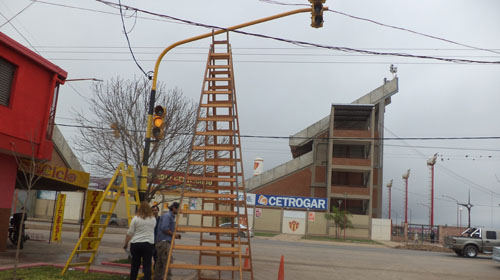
(123, 181)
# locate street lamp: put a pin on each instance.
(460, 219)
(423, 204)
(455, 201)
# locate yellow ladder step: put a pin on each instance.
(206, 248)
(203, 267)
(85, 251)
(110, 199)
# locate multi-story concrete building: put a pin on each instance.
(339, 157)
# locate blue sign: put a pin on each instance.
(291, 202)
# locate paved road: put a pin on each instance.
(310, 259)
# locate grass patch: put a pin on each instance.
(267, 234)
(347, 240)
(121, 261)
(50, 272)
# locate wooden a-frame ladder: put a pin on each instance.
(123, 181)
(215, 160)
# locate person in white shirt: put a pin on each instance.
(140, 234)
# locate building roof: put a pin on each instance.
(9, 42)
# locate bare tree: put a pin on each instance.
(116, 130)
(27, 167)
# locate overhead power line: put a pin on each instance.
(304, 43)
(18, 13)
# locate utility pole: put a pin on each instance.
(405, 177)
(468, 206)
(431, 162)
(389, 187)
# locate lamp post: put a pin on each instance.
(405, 177)
(429, 207)
(455, 201)
(389, 187)
(468, 206)
(431, 162)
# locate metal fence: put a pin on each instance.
(416, 233)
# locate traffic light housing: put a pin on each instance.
(317, 13)
(158, 123)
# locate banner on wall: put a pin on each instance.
(291, 202)
(58, 218)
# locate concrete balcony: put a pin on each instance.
(351, 161)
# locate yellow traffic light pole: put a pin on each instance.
(145, 161)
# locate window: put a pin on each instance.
(7, 70)
(491, 235)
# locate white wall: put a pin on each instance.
(381, 229)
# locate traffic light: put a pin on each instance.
(158, 118)
(317, 13)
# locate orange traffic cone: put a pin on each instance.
(281, 272)
(247, 260)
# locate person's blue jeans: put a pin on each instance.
(141, 251)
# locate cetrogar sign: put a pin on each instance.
(291, 202)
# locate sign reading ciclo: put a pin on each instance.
(62, 174)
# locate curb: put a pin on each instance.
(94, 270)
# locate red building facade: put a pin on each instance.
(29, 87)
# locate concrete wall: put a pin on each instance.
(318, 226)
(381, 229)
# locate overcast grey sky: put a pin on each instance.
(283, 88)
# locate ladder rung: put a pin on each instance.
(215, 147)
(217, 92)
(85, 251)
(221, 163)
(222, 104)
(80, 264)
(220, 42)
(223, 202)
(208, 229)
(218, 66)
(110, 199)
(211, 179)
(223, 174)
(209, 195)
(203, 267)
(218, 79)
(224, 241)
(208, 212)
(217, 119)
(219, 72)
(214, 87)
(224, 188)
(224, 132)
(220, 55)
(206, 248)
(224, 255)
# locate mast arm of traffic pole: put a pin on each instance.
(164, 52)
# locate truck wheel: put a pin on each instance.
(459, 253)
(470, 251)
